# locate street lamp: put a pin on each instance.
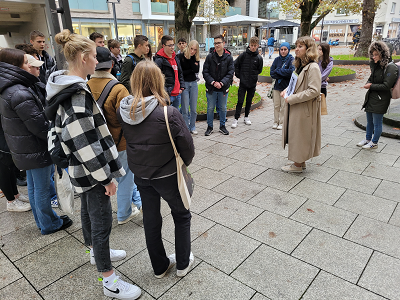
(113, 2)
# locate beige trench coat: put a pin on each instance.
(302, 121)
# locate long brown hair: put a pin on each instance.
(13, 57)
(324, 59)
(311, 53)
(147, 80)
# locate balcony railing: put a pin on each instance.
(233, 11)
(163, 8)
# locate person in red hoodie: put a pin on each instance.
(171, 68)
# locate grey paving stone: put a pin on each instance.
(332, 131)
(198, 226)
(376, 235)
(3, 206)
(383, 172)
(223, 248)
(232, 213)
(367, 205)
(205, 279)
(239, 189)
(327, 286)
(208, 178)
(276, 231)
(397, 163)
(278, 179)
(346, 164)
(272, 161)
(13, 221)
(248, 155)
(65, 255)
(222, 149)
(203, 198)
(388, 190)
(194, 167)
(255, 134)
(244, 170)
(318, 172)
(382, 276)
(275, 148)
(216, 162)
(318, 191)
(260, 126)
(395, 218)
(325, 217)
(320, 159)
(377, 158)
(19, 289)
(15, 243)
(347, 152)
(8, 273)
(234, 137)
(353, 134)
(253, 144)
(277, 201)
(334, 140)
(258, 296)
(202, 144)
(333, 254)
(275, 274)
(360, 183)
(199, 154)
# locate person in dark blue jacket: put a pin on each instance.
(271, 42)
(281, 70)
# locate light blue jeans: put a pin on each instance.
(39, 197)
(220, 99)
(189, 98)
(270, 50)
(374, 125)
(175, 101)
(127, 192)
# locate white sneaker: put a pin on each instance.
(363, 143)
(134, 213)
(247, 121)
(172, 262)
(370, 145)
(194, 132)
(115, 255)
(274, 126)
(122, 290)
(279, 127)
(234, 123)
(23, 198)
(181, 273)
(18, 205)
(54, 203)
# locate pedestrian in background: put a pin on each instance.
(115, 48)
(264, 46)
(325, 63)
(271, 42)
(377, 100)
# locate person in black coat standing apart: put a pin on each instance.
(218, 70)
(247, 67)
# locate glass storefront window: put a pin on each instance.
(75, 27)
(154, 34)
(199, 34)
(125, 37)
(104, 29)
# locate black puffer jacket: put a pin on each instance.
(22, 116)
(247, 67)
(169, 73)
(47, 68)
(220, 72)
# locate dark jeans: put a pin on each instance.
(96, 216)
(8, 180)
(241, 93)
(151, 191)
(324, 91)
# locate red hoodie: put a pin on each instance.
(172, 61)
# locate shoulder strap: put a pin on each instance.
(106, 91)
(133, 60)
(169, 131)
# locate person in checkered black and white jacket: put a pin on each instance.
(92, 155)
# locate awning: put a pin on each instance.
(240, 19)
(280, 24)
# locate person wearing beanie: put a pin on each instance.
(281, 70)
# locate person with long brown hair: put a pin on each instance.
(302, 121)
(151, 158)
(325, 63)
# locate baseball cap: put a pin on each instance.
(104, 58)
(34, 62)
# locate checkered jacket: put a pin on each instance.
(85, 139)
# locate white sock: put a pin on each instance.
(109, 281)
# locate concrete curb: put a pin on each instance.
(332, 79)
(355, 62)
(387, 131)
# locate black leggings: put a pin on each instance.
(324, 91)
(8, 181)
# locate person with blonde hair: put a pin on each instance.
(190, 63)
(151, 158)
(302, 120)
(90, 153)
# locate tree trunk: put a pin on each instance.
(184, 16)
(368, 16)
(308, 9)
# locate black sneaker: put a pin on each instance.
(208, 131)
(223, 130)
(21, 181)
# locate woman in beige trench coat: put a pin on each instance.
(302, 121)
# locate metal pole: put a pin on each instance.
(322, 30)
(115, 21)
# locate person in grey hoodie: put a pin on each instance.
(151, 158)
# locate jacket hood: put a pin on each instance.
(248, 51)
(161, 52)
(11, 75)
(151, 103)
(383, 50)
(224, 55)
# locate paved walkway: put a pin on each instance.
(332, 232)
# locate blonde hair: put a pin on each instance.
(147, 80)
(74, 44)
(186, 51)
(311, 52)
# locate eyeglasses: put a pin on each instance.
(218, 43)
(170, 45)
(182, 43)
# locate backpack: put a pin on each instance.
(133, 60)
(396, 87)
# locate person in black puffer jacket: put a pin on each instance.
(247, 67)
(25, 129)
(384, 74)
(151, 158)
